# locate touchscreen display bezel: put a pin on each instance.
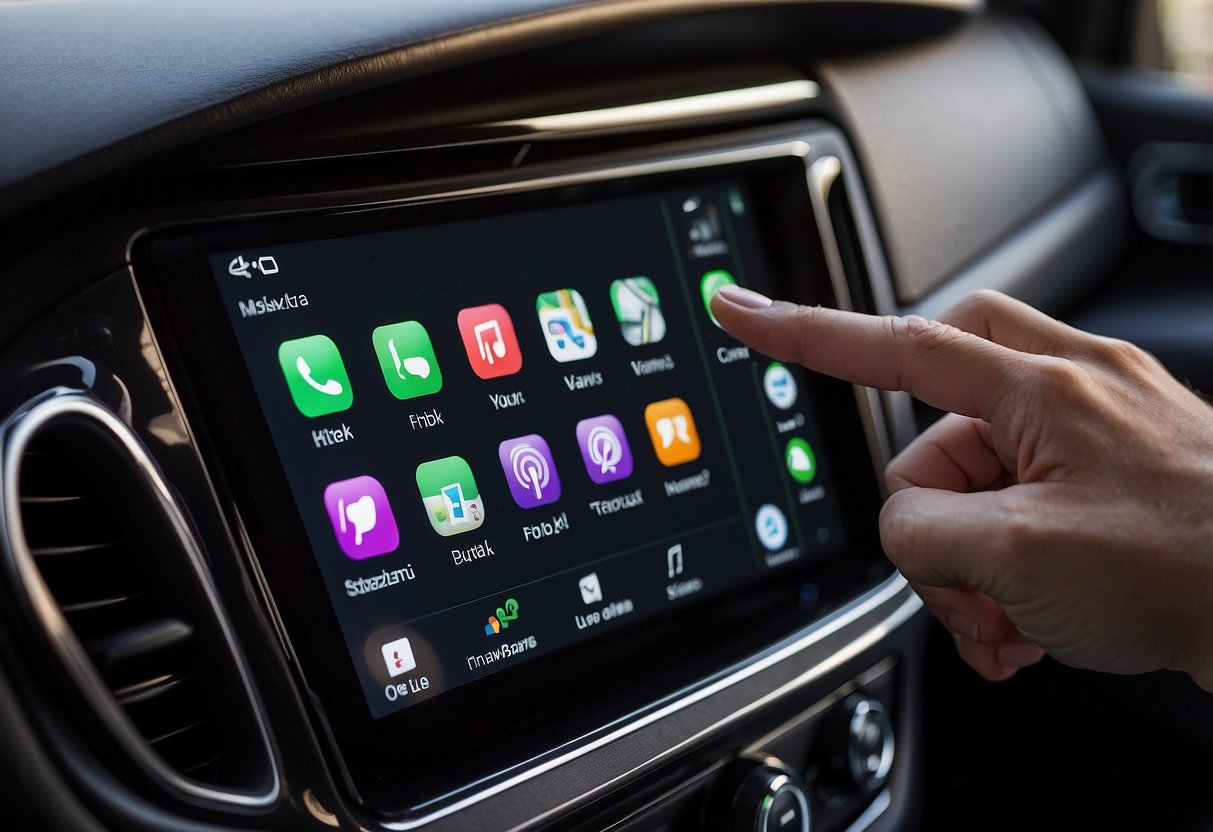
(553, 700)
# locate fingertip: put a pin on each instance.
(741, 297)
(1019, 655)
(981, 657)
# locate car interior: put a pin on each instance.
(372, 458)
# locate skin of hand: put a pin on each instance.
(1064, 504)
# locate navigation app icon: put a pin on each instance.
(638, 310)
(566, 325)
(530, 470)
(450, 496)
(604, 449)
(488, 336)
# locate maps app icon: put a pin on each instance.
(638, 310)
(604, 449)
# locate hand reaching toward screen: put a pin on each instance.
(1065, 503)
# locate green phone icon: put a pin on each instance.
(315, 375)
(708, 286)
(406, 357)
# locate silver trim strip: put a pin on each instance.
(654, 115)
(822, 173)
(879, 805)
(844, 617)
(16, 433)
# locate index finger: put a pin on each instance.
(939, 364)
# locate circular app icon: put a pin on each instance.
(780, 386)
(772, 527)
(802, 464)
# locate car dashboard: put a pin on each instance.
(372, 457)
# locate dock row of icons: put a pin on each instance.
(365, 526)
(398, 655)
(319, 384)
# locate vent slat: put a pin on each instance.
(30, 500)
(112, 651)
(198, 768)
(175, 733)
(99, 604)
(148, 689)
(61, 551)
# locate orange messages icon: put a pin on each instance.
(672, 429)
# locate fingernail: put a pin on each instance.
(1018, 655)
(743, 297)
(962, 626)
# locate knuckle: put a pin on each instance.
(807, 332)
(1124, 355)
(1018, 535)
(920, 342)
(981, 303)
(918, 336)
(1059, 376)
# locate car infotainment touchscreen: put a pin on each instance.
(493, 443)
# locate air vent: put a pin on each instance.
(100, 547)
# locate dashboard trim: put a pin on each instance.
(656, 115)
(886, 593)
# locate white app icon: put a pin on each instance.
(780, 386)
(530, 468)
(398, 657)
(490, 341)
(771, 526)
(591, 590)
(360, 514)
(566, 325)
(606, 450)
(673, 560)
(670, 428)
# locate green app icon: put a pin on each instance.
(450, 496)
(407, 359)
(315, 375)
(802, 464)
(708, 286)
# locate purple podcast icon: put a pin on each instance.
(362, 517)
(604, 447)
(529, 470)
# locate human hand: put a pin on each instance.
(1064, 505)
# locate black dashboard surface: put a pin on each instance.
(117, 116)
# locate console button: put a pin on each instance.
(856, 744)
(757, 795)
